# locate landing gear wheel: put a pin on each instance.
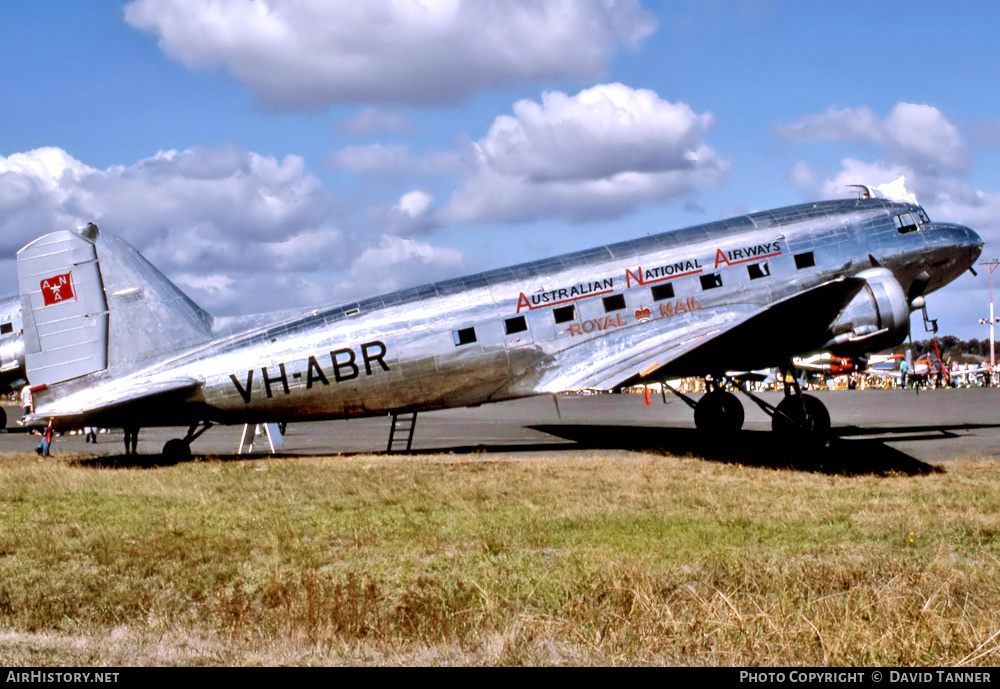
(718, 412)
(3, 418)
(803, 416)
(177, 450)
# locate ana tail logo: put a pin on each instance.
(58, 289)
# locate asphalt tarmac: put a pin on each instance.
(879, 431)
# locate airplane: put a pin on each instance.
(12, 373)
(929, 368)
(923, 370)
(814, 367)
(970, 374)
(109, 341)
(824, 362)
(887, 362)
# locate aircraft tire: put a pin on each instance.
(718, 412)
(177, 450)
(805, 417)
(3, 418)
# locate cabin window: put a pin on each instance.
(806, 260)
(6, 328)
(464, 336)
(615, 302)
(905, 222)
(564, 314)
(711, 281)
(661, 292)
(759, 270)
(512, 326)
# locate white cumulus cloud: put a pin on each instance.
(224, 211)
(916, 142)
(314, 53)
(399, 262)
(918, 136)
(412, 214)
(396, 159)
(599, 153)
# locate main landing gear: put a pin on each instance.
(800, 415)
(720, 412)
(179, 449)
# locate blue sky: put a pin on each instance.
(270, 154)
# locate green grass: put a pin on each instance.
(589, 558)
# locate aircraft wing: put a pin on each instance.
(825, 364)
(885, 373)
(77, 408)
(969, 372)
(764, 375)
(695, 342)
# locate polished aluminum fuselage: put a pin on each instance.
(12, 376)
(463, 342)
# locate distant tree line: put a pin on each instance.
(952, 349)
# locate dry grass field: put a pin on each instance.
(586, 558)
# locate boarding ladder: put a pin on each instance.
(403, 425)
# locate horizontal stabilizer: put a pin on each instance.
(110, 398)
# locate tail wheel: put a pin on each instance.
(719, 411)
(802, 415)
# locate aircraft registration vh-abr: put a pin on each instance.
(109, 341)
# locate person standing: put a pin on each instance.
(46, 442)
(27, 406)
(131, 439)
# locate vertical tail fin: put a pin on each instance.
(91, 302)
(150, 316)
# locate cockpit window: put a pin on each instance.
(922, 215)
(905, 222)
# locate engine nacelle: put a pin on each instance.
(878, 317)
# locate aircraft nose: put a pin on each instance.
(974, 242)
(963, 238)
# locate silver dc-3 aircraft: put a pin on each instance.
(109, 341)
(12, 375)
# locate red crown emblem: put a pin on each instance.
(642, 314)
